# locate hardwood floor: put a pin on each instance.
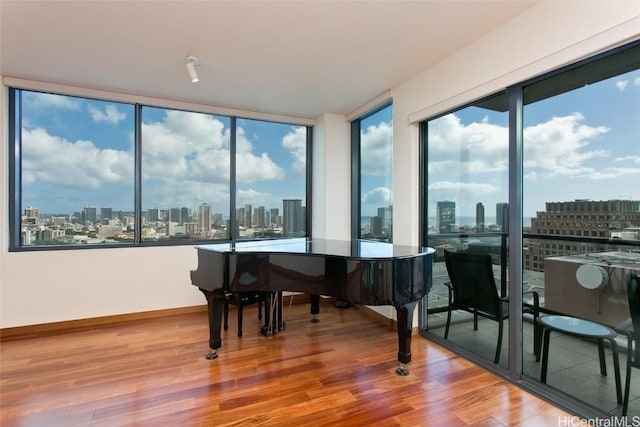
(152, 372)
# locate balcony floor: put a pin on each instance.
(573, 363)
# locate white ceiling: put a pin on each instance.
(296, 58)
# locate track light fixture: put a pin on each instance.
(191, 62)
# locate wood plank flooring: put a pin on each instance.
(338, 372)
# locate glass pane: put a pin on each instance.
(185, 175)
(376, 168)
(77, 163)
(466, 207)
(271, 170)
(581, 206)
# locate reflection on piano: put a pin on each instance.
(360, 271)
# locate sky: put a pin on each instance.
(376, 148)
(584, 144)
(77, 152)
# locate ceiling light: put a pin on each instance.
(191, 62)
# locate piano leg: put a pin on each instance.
(215, 304)
(404, 315)
(315, 307)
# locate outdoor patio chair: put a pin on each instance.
(472, 288)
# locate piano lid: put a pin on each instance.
(357, 248)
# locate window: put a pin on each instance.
(373, 140)
(271, 166)
(74, 170)
(186, 175)
(89, 172)
(466, 202)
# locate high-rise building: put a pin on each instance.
(31, 216)
(240, 217)
(274, 216)
(386, 214)
(106, 214)
(248, 223)
(218, 220)
(154, 214)
(375, 225)
(175, 215)
(446, 216)
(293, 217)
(502, 216)
(204, 217)
(261, 217)
(479, 217)
(89, 216)
(185, 214)
(580, 218)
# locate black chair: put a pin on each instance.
(633, 336)
(473, 289)
(240, 300)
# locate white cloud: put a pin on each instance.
(296, 143)
(47, 100)
(185, 155)
(380, 196)
(78, 164)
(622, 84)
(636, 82)
(110, 115)
(375, 146)
(254, 197)
(251, 167)
(195, 147)
(632, 159)
(185, 147)
(609, 173)
(560, 146)
(456, 149)
(469, 162)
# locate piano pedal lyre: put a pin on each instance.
(314, 319)
(213, 354)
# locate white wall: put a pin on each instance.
(331, 180)
(42, 287)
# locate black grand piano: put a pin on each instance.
(359, 271)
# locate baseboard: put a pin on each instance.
(56, 328)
